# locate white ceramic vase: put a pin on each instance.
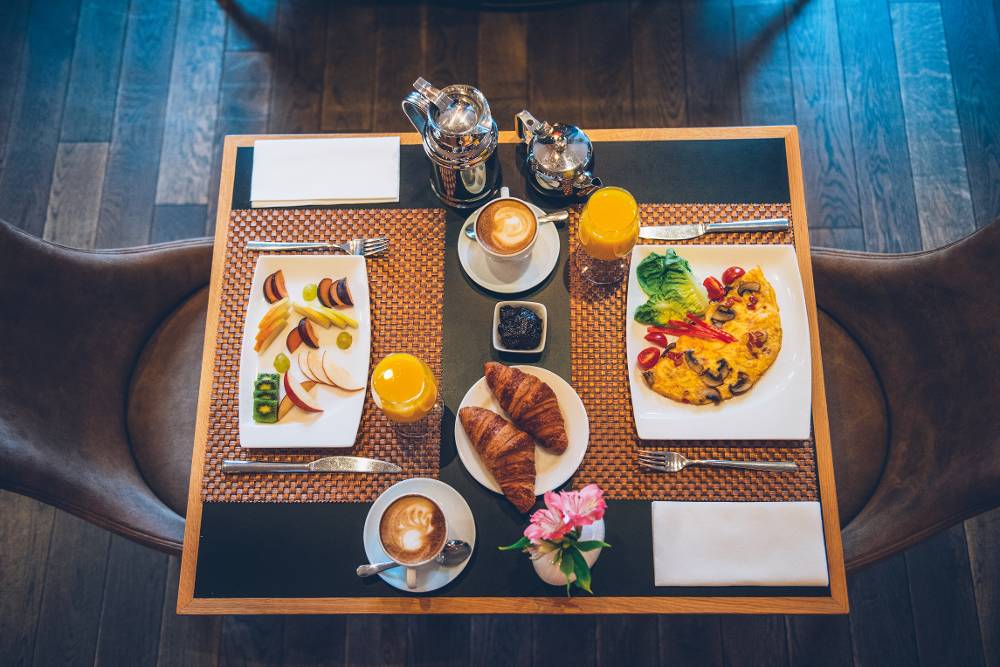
(550, 573)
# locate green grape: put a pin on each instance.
(344, 340)
(309, 292)
(281, 363)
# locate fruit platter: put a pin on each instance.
(306, 349)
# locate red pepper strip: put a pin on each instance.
(701, 324)
(693, 333)
(657, 330)
(708, 333)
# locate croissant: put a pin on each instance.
(508, 453)
(531, 404)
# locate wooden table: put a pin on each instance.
(243, 558)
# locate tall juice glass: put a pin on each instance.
(609, 229)
(404, 389)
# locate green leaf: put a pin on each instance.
(590, 545)
(581, 569)
(517, 546)
(566, 565)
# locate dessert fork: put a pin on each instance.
(366, 247)
(674, 462)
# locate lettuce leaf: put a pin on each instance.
(671, 287)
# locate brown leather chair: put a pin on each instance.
(103, 351)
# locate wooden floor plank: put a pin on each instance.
(192, 104)
(185, 640)
(26, 530)
(75, 197)
(606, 89)
(577, 640)
(172, 222)
(451, 38)
(251, 24)
(502, 64)
(243, 109)
(885, 183)
(399, 60)
(762, 57)
(132, 611)
(712, 80)
(628, 640)
(754, 640)
(34, 127)
(837, 237)
(133, 158)
(251, 641)
(940, 180)
(690, 640)
(311, 638)
(93, 79)
(944, 603)
(349, 72)
(658, 83)
(974, 53)
(427, 647)
(553, 38)
(13, 23)
(502, 640)
(299, 64)
(983, 536)
(821, 114)
(882, 631)
(819, 641)
(69, 618)
(378, 640)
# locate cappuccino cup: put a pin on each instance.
(412, 531)
(506, 228)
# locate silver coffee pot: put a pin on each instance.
(559, 157)
(460, 138)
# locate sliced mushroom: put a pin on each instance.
(648, 377)
(718, 376)
(748, 286)
(722, 314)
(711, 394)
(760, 337)
(668, 348)
(742, 384)
(693, 363)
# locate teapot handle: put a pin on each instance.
(525, 125)
(418, 109)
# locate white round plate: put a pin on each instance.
(551, 470)
(461, 526)
(510, 277)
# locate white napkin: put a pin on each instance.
(738, 544)
(296, 172)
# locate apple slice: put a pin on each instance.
(299, 396)
(316, 367)
(308, 333)
(293, 340)
(286, 404)
(303, 359)
(339, 376)
(323, 292)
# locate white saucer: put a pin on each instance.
(551, 470)
(461, 526)
(510, 277)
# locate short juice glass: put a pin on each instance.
(404, 389)
(609, 229)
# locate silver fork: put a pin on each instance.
(366, 247)
(674, 462)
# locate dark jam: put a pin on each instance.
(520, 328)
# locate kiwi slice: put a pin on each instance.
(265, 410)
(266, 382)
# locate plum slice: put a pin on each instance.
(323, 292)
(342, 293)
(293, 340)
(308, 333)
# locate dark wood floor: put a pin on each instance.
(111, 119)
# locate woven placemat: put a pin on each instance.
(414, 265)
(600, 376)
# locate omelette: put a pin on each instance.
(699, 371)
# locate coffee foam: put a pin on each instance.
(506, 226)
(412, 529)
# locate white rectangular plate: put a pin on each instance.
(778, 407)
(337, 425)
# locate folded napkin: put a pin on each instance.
(296, 172)
(738, 544)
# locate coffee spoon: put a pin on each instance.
(555, 216)
(453, 553)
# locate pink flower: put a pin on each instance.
(546, 524)
(583, 507)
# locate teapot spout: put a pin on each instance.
(586, 184)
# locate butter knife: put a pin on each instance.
(325, 464)
(682, 232)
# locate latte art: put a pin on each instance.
(506, 226)
(412, 529)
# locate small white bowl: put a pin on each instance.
(539, 310)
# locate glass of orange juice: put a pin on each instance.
(404, 389)
(609, 228)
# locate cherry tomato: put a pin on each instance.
(648, 358)
(715, 289)
(731, 274)
(657, 338)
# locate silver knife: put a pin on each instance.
(682, 232)
(325, 464)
